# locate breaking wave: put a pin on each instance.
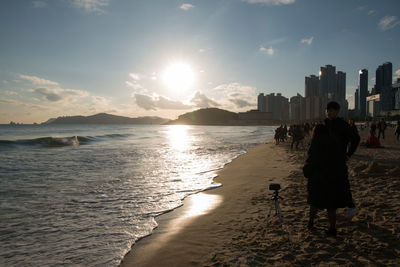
(47, 142)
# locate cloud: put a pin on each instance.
(18, 103)
(270, 51)
(204, 50)
(186, 7)
(307, 41)
(270, 2)
(202, 101)
(55, 95)
(39, 4)
(93, 6)
(36, 80)
(396, 75)
(158, 102)
(240, 103)
(388, 22)
(10, 93)
(99, 104)
(135, 76)
(100, 100)
(241, 96)
(371, 12)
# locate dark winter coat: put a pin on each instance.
(325, 168)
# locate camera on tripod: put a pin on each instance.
(275, 206)
(274, 187)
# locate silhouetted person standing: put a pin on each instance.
(332, 144)
(372, 129)
(381, 128)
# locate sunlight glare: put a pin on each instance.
(178, 77)
(178, 137)
(202, 203)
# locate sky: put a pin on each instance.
(166, 57)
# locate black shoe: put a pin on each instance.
(331, 232)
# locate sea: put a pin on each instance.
(82, 195)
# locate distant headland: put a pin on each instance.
(104, 118)
(205, 116)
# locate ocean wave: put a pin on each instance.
(112, 136)
(48, 141)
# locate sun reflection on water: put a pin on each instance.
(178, 137)
(202, 203)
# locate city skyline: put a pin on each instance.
(166, 58)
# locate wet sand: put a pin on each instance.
(228, 226)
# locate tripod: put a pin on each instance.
(278, 212)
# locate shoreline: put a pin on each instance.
(233, 232)
(172, 224)
(179, 213)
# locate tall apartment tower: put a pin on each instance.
(340, 94)
(311, 86)
(384, 76)
(361, 100)
(278, 105)
(261, 103)
(383, 85)
(327, 84)
(356, 100)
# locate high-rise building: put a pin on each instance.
(378, 79)
(384, 76)
(281, 107)
(383, 86)
(332, 87)
(314, 109)
(261, 103)
(363, 92)
(297, 108)
(278, 105)
(396, 92)
(328, 82)
(356, 101)
(340, 94)
(311, 86)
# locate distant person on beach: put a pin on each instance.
(284, 133)
(278, 134)
(372, 141)
(332, 144)
(381, 128)
(297, 135)
(372, 129)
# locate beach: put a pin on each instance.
(228, 226)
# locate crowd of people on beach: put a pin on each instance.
(296, 132)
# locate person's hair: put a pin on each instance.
(333, 105)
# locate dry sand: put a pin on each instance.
(229, 227)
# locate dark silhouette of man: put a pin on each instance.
(332, 144)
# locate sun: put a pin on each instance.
(178, 77)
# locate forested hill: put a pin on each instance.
(104, 118)
(207, 116)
